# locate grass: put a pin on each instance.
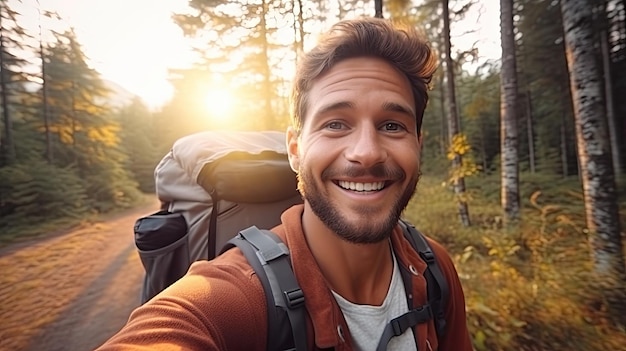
(29, 228)
(528, 286)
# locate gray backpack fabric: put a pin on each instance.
(212, 185)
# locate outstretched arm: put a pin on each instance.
(217, 305)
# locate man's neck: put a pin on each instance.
(360, 273)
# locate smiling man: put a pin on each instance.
(355, 142)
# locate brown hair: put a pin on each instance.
(402, 46)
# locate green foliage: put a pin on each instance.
(545, 79)
(527, 287)
(480, 100)
(136, 140)
(69, 165)
(35, 192)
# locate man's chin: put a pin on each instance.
(366, 230)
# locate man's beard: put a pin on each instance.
(364, 232)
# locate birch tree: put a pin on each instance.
(594, 154)
(508, 116)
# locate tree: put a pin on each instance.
(480, 98)
(135, 134)
(243, 39)
(12, 76)
(453, 119)
(86, 134)
(44, 86)
(508, 115)
(594, 153)
(543, 74)
(614, 18)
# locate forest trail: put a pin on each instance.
(73, 290)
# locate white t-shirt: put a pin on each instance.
(367, 322)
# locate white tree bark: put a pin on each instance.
(508, 116)
(601, 208)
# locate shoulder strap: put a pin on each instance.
(212, 231)
(437, 284)
(437, 288)
(269, 257)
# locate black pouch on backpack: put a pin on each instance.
(162, 244)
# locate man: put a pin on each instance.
(355, 143)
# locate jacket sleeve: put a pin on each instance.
(215, 306)
(456, 336)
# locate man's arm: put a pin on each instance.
(216, 306)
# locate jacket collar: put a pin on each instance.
(320, 303)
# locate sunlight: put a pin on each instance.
(219, 104)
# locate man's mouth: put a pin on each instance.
(361, 187)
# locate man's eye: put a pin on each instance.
(334, 125)
(392, 127)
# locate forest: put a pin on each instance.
(524, 158)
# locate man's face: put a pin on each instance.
(357, 155)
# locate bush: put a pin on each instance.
(36, 192)
(527, 286)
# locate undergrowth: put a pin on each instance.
(527, 286)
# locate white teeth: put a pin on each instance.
(361, 186)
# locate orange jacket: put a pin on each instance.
(220, 305)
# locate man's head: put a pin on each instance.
(401, 46)
(355, 140)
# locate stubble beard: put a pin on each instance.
(364, 232)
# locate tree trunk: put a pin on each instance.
(378, 8)
(44, 97)
(265, 68)
(444, 127)
(8, 144)
(453, 119)
(610, 112)
(594, 156)
(531, 133)
(299, 29)
(563, 147)
(483, 143)
(510, 200)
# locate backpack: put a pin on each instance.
(213, 185)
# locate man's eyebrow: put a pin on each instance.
(334, 106)
(395, 107)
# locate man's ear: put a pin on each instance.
(293, 149)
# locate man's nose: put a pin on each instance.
(366, 147)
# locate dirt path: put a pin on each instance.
(72, 291)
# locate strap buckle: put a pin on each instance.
(428, 256)
(294, 298)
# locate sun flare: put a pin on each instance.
(219, 104)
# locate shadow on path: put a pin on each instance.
(101, 309)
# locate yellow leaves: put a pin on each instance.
(107, 135)
(459, 146)
(468, 252)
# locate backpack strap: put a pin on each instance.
(269, 257)
(437, 285)
(212, 231)
(437, 288)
